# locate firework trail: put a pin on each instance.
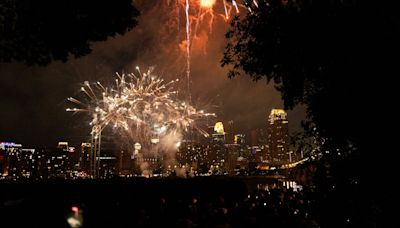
(201, 8)
(188, 49)
(196, 12)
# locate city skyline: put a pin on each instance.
(209, 128)
(217, 154)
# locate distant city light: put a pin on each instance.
(9, 144)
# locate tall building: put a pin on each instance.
(10, 159)
(56, 161)
(239, 139)
(63, 145)
(84, 158)
(29, 163)
(230, 133)
(278, 136)
(219, 132)
(108, 163)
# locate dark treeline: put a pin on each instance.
(176, 202)
(42, 31)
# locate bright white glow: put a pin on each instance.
(74, 222)
(207, 3)
(142, 106)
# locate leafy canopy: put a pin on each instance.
(41, 31)
(326, 55)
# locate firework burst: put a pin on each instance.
(141, 105)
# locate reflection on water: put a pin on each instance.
(293, 185)
(288, 184)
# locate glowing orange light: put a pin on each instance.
(207, 3)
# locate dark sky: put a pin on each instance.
(33, 99)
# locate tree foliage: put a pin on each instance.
(325, 54)
(336, 57)
(41, 31)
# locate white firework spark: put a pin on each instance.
(143, 105)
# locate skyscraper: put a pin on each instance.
(278, 136)
(10, 159)
(84, 158)
(219, 132)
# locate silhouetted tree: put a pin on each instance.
(41, 31)
(336, 58)
(325, 54)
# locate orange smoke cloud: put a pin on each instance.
(198, 44)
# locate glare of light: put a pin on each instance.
(73, 222)
(219, 128)
(75, 209)
(207, 3)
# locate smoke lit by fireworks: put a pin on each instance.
(203, 11)
(142, 105)
(201, 8)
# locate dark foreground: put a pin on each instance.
(197, 202)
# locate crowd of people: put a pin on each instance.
(176, 202)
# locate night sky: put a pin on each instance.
(33, 99)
